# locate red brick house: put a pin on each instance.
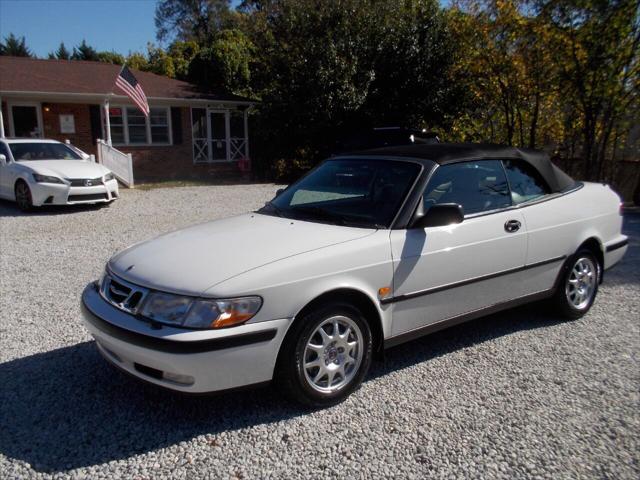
(188, 134)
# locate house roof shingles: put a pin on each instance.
(18, 74)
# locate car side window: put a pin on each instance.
(477, 186)
(525, 181)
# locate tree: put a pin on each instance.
(504, 64)
(325, 68)
(137, 61)
(197, 20)
(225, 65)
(84, 52)
(182, 53)
(159, 61)
(110, 57)
(15, 47)
(61, 53)
(597, 52)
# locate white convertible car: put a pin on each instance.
(365, 252)
(36, 172)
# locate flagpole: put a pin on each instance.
(1, 120)
(106, 110)
(107, 120)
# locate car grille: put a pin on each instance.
(85, 182)
(123, 295)
(87, 198)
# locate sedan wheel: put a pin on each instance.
(23, 196)
(325, 355)
(333, 354)
(581, 282)
(577, 291)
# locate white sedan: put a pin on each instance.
(36, 172)
(365, 252)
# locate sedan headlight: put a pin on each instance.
(109, 176)
(199, 313)
(46, 179)
(166, 308)
(222, 313)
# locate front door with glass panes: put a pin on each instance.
(219, 135)
(210, 130)
(25, 121)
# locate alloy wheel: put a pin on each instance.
(333, 354)
(581, 283)
(23, 196)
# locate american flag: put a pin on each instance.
(130, 86)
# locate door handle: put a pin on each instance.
(512, 226)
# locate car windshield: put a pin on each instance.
(42, 151)
(351, 192)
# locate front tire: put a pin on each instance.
(23, 196)
(325, 356)
(578, 287)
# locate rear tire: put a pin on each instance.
(325, 356)
(578, 286)
(23, 196)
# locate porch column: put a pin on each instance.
(107, 121)
(1, 120)
(246, 132)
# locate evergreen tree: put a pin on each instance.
(62, 53)
(85, 52)
(15, 47)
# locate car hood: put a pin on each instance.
(192, 260)
(66, 168)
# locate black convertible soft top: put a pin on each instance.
(445, 153)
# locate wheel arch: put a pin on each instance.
(595, 245)
(19, 179)
(356, 298)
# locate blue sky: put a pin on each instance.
(118, 25)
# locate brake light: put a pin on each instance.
(621, 211)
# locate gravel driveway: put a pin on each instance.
(518, 394)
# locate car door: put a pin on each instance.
(551, 225)
(443, 272)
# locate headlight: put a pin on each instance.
(199, 313)
(222, 313)
(166, 308)
(46, 179)
(109, 176)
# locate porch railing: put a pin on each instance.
(201, 154)
(121, 164)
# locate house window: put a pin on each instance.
(116, 119)
(129, 126)
(159, 121)
(136, 126)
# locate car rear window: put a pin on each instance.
(525, 181)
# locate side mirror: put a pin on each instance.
(3, 159)
(438, 215)
(279, 191)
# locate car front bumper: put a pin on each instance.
(193, 361)
(58, 194)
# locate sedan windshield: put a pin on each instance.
(352, 192)
(42, 151)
